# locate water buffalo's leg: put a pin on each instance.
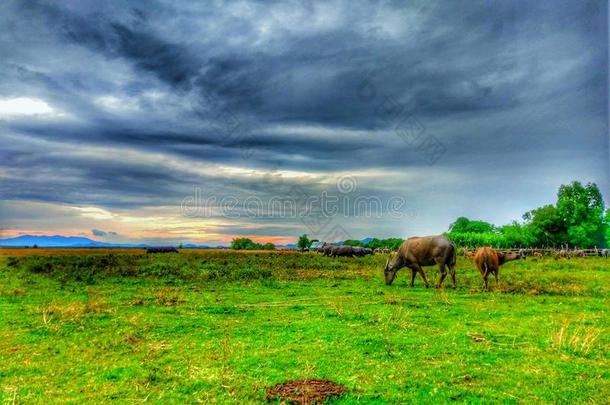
(485, 275)
(496, 274)
(452, 270)
(413, 273)
(423, 275)
(442, 276)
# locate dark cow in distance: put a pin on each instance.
(488, 261)
(164, 249)
(421, 251)
(344, 251)
(362, 251)
(325, 250)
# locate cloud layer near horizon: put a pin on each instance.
(112, 114)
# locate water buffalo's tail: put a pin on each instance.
(453, 258)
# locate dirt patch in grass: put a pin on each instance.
(169, 297)
(305, 391)
(54, 315)
(73, 311)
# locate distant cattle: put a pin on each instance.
(342, 251)
(579, 253)
(488, 261)
(167, 249)
(362, 251)
(418, 251)
(325, 250)
(345, 251)
(562, 254)
(605, 253)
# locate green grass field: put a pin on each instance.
(221, 327)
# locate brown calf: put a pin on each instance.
(488, 261)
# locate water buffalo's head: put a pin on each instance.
(507, 257)
(389, 272)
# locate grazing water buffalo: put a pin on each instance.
(362, 251)
(418, 251)
(342, 251)
(325, 250)
(164, 249)
(347, 251)
(606, 253)
(489, 260)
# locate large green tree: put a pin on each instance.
(581, 209)
(607, 221)
(545, 226)
(465, 225)
(244, 244)
(517, 235)
(268, 246)
(248, 244)
(578, 219)
(303, 242)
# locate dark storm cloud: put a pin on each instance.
(314, 88)
(170, 62)
(98, 232)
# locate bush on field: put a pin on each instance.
(188, 267)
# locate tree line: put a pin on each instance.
(577, 219)
(248, 244)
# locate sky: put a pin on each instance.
(182, 121)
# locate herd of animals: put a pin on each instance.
(420, 251)
(345, 251)
(162, 249)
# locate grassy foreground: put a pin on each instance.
(220, 327)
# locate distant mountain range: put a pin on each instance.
(58, 241)
(72, 241)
